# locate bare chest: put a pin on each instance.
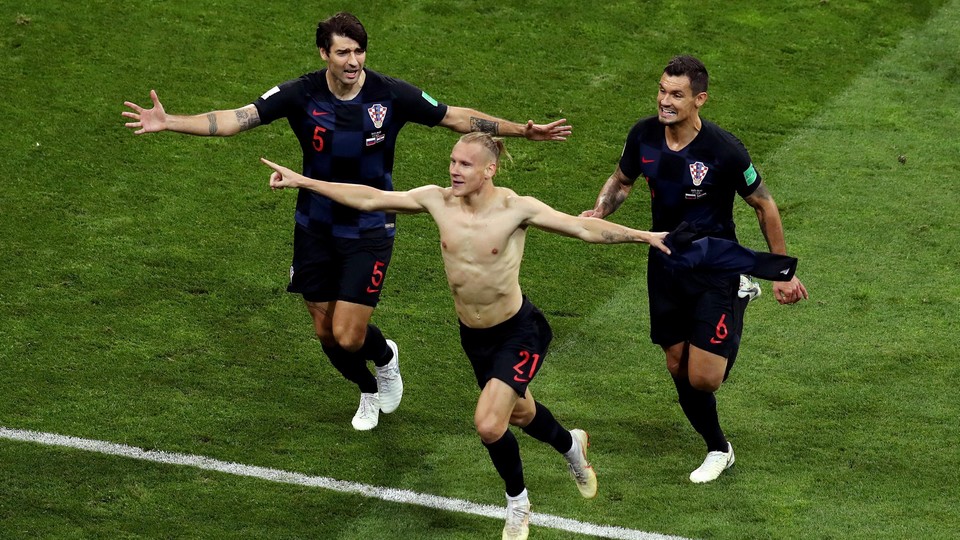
(478, 241)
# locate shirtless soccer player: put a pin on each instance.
(482, 232)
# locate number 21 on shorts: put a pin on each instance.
(526, 358)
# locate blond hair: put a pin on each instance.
(493, 144)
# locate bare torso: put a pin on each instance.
(482, 248)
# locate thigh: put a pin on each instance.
(315, 270)
(511, 353)
(718, 318)
(670, 309)
(322, 315)
(362, 269)
(350, 321)
(495, 406)
(705, 370)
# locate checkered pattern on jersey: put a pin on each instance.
(348, 142)
(695, 184)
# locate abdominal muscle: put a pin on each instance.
(485, 295)
(488, 314)
(481, 257)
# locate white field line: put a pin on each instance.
(286, 477)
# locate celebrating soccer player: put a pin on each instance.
(347, 119)
(693, 169)
(482, 234)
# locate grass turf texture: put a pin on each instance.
(141, 278)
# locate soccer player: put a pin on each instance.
(693, 170)
(347, 119)
(482, 233)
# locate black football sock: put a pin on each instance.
(375, 347)
(544, 427)
(505, 453)
(353, 367)
(701, 410)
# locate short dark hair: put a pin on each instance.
(342, 24)
(692, 68)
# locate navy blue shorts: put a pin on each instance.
(698, 307)
(327, 268)
(512, 351)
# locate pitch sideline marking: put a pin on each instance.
(286, 477)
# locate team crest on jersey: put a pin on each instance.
(377, 113)
(698, 171)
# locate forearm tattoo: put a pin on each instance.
(613, 237)
(212, 118)
(484, 125)
(762, 194)
(610, 201)
(248, 120)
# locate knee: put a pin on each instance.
(489, 429)
(350, 337)
(705, 383)
(675, 364)
(674, 368)
(326, 337)
(522, 417)
(324, 329)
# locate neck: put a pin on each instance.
(342, 91)
(680, 135)
(479, 199)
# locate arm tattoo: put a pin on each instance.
(486, 126)
(762, 193)
(212, 117)
(248, 120)
(611, 199)
(611, 237)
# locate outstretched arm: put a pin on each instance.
(588, 229)
(356, 196)
(786, 292)
(464, 120)
(612, 194)
(214, 123)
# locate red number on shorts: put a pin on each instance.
(377, 278)
(519, 367)
(722, 331)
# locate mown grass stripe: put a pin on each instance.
(287, 477)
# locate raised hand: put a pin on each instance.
(281, 177)
(146, 120)
(554, 131)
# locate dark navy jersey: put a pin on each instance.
(695, 185)
(349, 142)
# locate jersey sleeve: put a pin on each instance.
(278, 101)
(416, 105)
(630, 158)
(745, 176)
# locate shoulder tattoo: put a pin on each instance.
(486, 126)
